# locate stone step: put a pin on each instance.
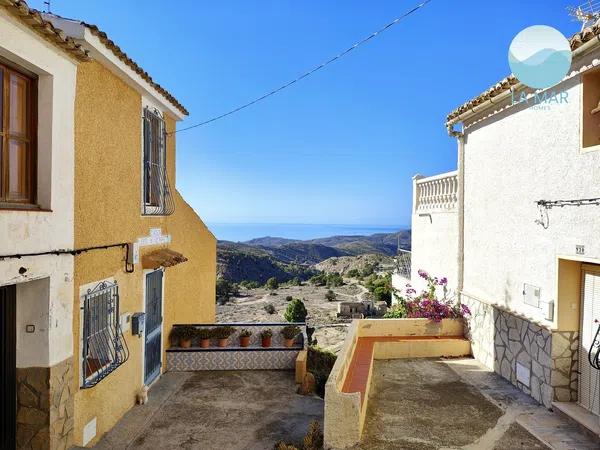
(587, 421)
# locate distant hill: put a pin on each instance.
(344, 264)
(265, 257)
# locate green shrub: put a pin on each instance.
(204, 333)
(295, 282)
(318, 280)
(296, 311)
(397, 311)
(334, 280)
(270, 308)
(319, 363)
(381, 287)
(290, 331)
(225, 289)
(330, 296)
(353, 273)
(266, 333)
(249, 284)
(245, 333)
(222, 332)
(272, 283)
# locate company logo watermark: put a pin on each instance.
(540, 57)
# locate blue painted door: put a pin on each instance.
(153, 334)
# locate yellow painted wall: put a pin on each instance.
(108, 152)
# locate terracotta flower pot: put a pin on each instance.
(266, 341)
(288, 342)
(185, 343)
(204, 343)
(223, 342)
(244, 341)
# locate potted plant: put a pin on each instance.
(289, 334)
(245, 337)
(266, 337)
(182, 336)
(204, 335)
(222, 334)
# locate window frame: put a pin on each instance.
(156, 192)
(96, 345)
(8, 69)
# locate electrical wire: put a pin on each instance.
(310, 72)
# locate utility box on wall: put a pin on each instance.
(138, 323)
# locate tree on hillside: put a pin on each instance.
(353, 273)
(381, 287)
(272, 283)
(330, 296)
(319, 280)
(296, 311)
(334, 280)
(225, 290)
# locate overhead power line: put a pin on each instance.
(310, 72)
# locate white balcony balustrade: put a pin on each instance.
(436, 194)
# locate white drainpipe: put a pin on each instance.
(460, 137)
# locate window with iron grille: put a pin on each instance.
(157, 198)
(104, 347)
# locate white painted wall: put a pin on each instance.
(512, 159)
(434, 247)
(35, 231)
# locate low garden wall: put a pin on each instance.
(233, 356)
(345, 412)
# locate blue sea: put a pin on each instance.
(240, 232)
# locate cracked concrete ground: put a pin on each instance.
(220, 410)
(432, 404)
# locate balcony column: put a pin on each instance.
(416, 194)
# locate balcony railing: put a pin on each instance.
(436, 194)
(403, 263)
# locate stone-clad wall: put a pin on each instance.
(45, 407)
(501, 338)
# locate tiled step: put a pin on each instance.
(588, 422)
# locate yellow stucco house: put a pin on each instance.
(103, 254)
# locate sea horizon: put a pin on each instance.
(241, 232)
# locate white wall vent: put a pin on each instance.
(531, 295)
(89, 431)
(523, 374)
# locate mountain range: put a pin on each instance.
(261, 258)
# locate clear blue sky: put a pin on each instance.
(341, 146)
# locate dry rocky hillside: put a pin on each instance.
(330, 331)
(343, 264)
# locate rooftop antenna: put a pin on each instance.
(587, 13)
(47, 3)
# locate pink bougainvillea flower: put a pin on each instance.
(423, 274)
(443, 281)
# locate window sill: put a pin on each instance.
(22, 208)
(591, 148)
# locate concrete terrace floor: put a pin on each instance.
(220, 410)
(430, 404)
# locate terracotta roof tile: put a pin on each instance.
(34, 20)
(133, 65)
(576, 41)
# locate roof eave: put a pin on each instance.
(581, 43)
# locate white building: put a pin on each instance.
(38, 67)
(529, 271)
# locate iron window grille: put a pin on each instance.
(104, 347)
(157, 197)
